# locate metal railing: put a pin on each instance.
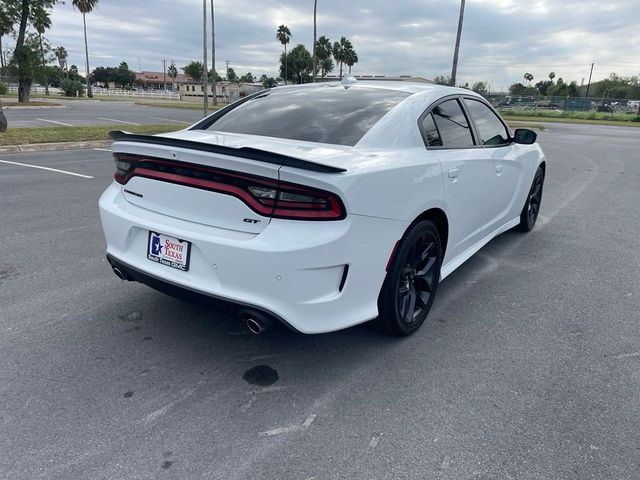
(103, 92)
(567, 106)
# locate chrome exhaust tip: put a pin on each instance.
(120, 274)
(255, 326)
(256, 322)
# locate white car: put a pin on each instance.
(324, 205)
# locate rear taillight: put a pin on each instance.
(265, 196)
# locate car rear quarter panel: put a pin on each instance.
(393, 184)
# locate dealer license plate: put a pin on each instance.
(169, 251)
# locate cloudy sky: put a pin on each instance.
(502, 39)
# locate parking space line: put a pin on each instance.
(53, 121)
(170, 120)
(118, 121)
(103, 149)
(46, 168)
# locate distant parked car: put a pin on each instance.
(323, 205)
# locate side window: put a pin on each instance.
(452, 125)
(491, 130)
(430, 131)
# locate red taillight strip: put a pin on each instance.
(203, 185)
(332, 210)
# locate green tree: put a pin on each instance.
(552, 75)
(172, 71)
(529, 78)
(247, 78)
(18, 14)
(194, 70)
(72, 87)
(520, 89)
(350, 57)
(298, 64)
(283, 35)
(340, 50)
(103, 75)
(8, 16)
(86, 6)
(326, 66)
(213, 73)
(480, 87)
(442, 80)
(123, 76)
(324, 51)
(543, 86)
(27, 65)
(41, 22)
(268, 82)
(231, 75)
(61, 54)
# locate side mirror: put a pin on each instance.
(525, 136)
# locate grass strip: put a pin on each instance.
(28, 136)
(185, 104)
(580, 121)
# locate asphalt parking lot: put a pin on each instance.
(527, 368)
(93, 112)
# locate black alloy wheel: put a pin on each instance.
(531, 208)
(412, 280)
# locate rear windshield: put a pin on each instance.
(327, 114)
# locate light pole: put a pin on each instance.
(204, 57)
(213, 53)
(454, 68)
(315, 61)
(164, 73)
(589, 84)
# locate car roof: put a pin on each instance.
(396, 85)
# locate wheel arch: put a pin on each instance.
(439, 218)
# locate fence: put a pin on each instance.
(103, 92)
(565, 106)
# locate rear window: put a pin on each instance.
(327, 114)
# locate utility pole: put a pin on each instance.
(164, 70)
(204, 63)
(315, 60)
(589, 84)
(454, 69)
(213, 54)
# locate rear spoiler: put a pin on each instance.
(244, 152)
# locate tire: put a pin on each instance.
(412, 280)
(531, 208)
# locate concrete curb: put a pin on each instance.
(46, 147)
(34, 107)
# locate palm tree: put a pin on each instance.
(41, 22)
(339, 51)
(172, 71)
(283, 34)
(86, 6)
(351, 57)
(61, 54)
(528, 78)
(323, 52)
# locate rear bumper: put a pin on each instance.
(180, 291)
(292, 270)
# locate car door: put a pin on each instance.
(508, 169)
(467, 174)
